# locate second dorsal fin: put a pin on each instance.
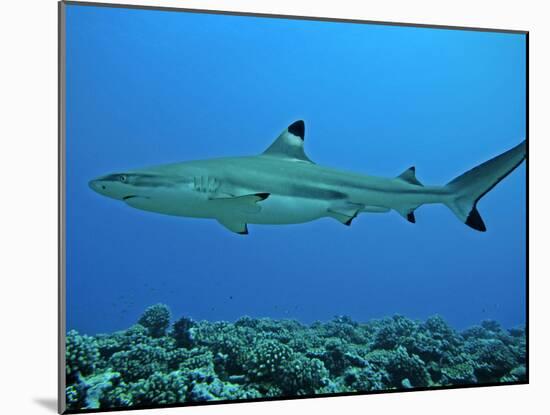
(290, 143)
(409, 176)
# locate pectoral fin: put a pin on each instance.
(231, 206)
(246, 203)
(234, 226)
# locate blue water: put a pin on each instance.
(151, 87)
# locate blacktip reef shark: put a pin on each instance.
(283, 186)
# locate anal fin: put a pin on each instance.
(408, 213)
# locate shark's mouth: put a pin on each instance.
(125, 198)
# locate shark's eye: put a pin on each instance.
(122, 178)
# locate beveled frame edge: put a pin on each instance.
(61, 175)
(292, 17)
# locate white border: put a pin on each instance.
(29, 203)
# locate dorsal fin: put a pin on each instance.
(290, 144)
(409, 176)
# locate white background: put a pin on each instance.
(28, 204)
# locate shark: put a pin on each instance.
(284, 186)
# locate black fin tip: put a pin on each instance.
(474, 221)
(297, 128)
(263, 196)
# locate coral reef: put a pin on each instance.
(182, 332)
(81, 355)
(156, 320)
(193, 361)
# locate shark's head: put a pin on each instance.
(121, 186)
(158, 190)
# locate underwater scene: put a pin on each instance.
(155, 362)
(267, 208)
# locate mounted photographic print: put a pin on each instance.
(258, 207)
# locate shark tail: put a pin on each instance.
(466, 190)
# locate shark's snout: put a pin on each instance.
(119, 186)
(108, 187)
(97, 185)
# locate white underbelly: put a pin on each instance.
(280, 210)
(275, 210)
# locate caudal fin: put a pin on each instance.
(468, 188)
